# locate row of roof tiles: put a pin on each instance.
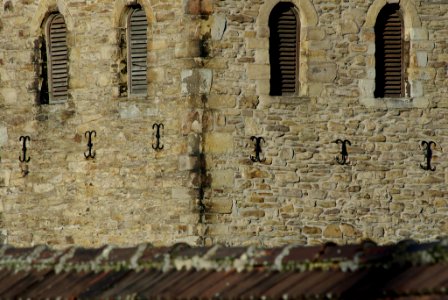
(218, 258)
(364, 271)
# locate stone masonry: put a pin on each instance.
(208, 83)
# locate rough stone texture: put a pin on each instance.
(208, 83)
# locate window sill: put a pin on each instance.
(267, 100)
(404, 102)
(132, 98)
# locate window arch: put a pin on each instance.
(54, 61)
(284, 45)
(391, 55)
(137, 53)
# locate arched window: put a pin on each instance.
(390, 54)
(54, 58)
(137, 51)
(284, 45)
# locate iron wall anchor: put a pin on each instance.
(428, 155)
(258, 150)
(88, 134)
(23, 157)
(157, 126)
(344, 153)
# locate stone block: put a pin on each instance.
(310, 230)
(216, 63)
(416, 88)
(322, 72)
(187, 162)
(256, 173)
(314, 34)
(257, 43)
(221, 205)
(199, 7)
(263, 86)
(217, 142)
(359, 48)
(206, 7)
(287, 177)
(319, 45)
(10, 96)
(187, 49)
(262, 56)
(218, 27)
(3, 136)
(253, 213)
(332, 231)
(5, 176)
(366, 87)
(43, 188)
(193, 7)
(347, 26)
(222, 178)
(163, 16)
(221, 101)
(422, 58)
(196, 81)
(157, 44)
(418, 34)
(255, 71)
(251, 126)
(129, 112)
(181, 193)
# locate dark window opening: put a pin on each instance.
(137, 51)
(53, 77)
(43, 82)
(284, 44)
(389, 54)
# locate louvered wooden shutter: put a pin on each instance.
(137, 47)
(284, 45)
(389, 53)
(57, 59)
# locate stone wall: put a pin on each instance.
(208, 83)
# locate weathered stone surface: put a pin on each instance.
(196, 81)
(221, 206)
(218, 143)
(3, 136)
(218, 27)
(311, 230)
(222, 178)
(323, 72)
(221, 101)
(209, 83)
(332, 231)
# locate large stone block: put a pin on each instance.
(217, 142)
(3, 136)
(218, 27)
(255, 71)
(196, 81)
(221, 205)
(347, 26)
(221, 101)
(199, 7)
(332, 231)
(222, 178)
(10, 96)
(257, 43)
(322, 72)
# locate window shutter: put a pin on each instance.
(57, 56)
(137, 45)
(284, 45)
(389, 53)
